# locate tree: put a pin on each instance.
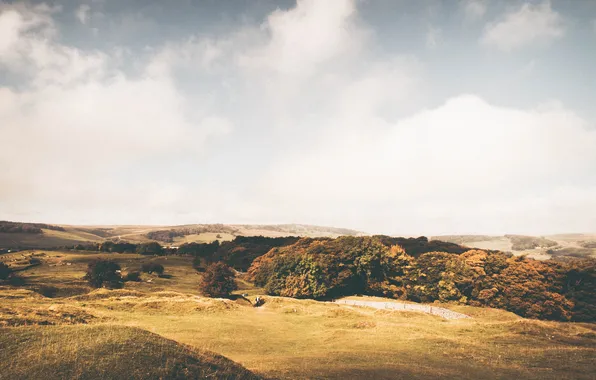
(5, 271)
(218, 280)
(152, 248)
(104, 273)
(152, 267)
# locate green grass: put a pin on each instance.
(289, 338)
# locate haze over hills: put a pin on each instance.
(64, 235)
(50, 236)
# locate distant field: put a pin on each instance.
(286, 338)
(138, 234)
(576, 245)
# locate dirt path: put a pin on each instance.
(441, 312)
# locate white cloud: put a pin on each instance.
(528, 25)
(474, 9)
(78, 123)
(83, 13)
(308, 35)
(433, 37)
(312, 130)
(464, 167)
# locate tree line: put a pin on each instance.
(29, 228)
(330, 268)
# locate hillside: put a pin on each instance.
(69, 235)
(106, 352)
(50, 236)
(539, 247)
(285, 338)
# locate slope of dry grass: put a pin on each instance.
(106, 352)
(288, 338)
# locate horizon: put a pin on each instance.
(366, 233)
(472, 117)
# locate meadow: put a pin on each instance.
(57, 325)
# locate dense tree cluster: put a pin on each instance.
(169, 235)
(240, 252)
(165, 235)
(522, 243)
(199, 249)
(30, 228)
(417, 246)
(151, 248)
(119, 247)
(323, 268)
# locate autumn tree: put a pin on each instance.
(218, 280)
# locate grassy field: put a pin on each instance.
(137, 234)
(567, 245)
(285, 338)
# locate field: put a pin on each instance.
(138, 234)
(165, 318)
(576, 245)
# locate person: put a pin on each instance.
(258, 301)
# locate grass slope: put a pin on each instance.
(106, 352)
(287, 338)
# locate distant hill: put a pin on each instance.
(539, 247)
(37, 235)
(47, 236)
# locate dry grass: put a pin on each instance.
(106, 352)
(288, 338)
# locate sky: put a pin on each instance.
(385, 116)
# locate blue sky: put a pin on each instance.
(399, 117)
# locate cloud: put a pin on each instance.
(474, 9)
(77, 122)
(433, 37)
(83, 13)
(530, 24)
(464, 167)
(300, 119)
(306, 36)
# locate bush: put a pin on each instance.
(152, 268)
(218, 280)
(34, 261)
(5, 271)
(133, 276)
(47, 291)
(104, 273)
